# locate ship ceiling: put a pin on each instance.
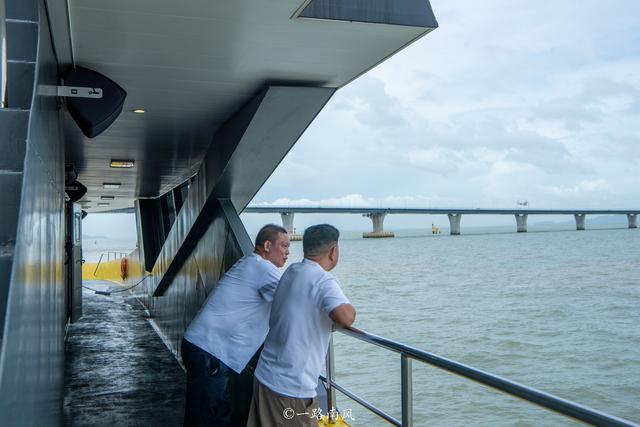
(191, 64)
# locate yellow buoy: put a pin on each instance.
(324, 422)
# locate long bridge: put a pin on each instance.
(377, 215)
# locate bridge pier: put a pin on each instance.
(580, 221)
(287, 223)
(454, 223)
(521, 223)
(377, 218)
(633, 220)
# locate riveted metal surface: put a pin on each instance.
(31, 358)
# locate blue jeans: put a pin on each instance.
(208, 401)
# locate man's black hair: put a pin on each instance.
(318, 239)
(269, 232)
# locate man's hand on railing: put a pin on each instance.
(344, 315)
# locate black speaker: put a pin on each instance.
(75, 191)
(94, 115)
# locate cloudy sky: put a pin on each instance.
(508, 100)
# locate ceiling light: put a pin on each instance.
(103, 204)
(111, 185)
(107, 197)
(138, 110)
(122, 163)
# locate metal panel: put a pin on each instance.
(411, 13)
(73, 261)
(20, 77)
(22, 9)
(11, 185)
(239, 232)
(6, 260)
(22, 41)
(3, 56)
(151, 235)
(13, 134)
(31, 358)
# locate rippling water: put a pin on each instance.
(556, 310)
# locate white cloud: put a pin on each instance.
(588, 186)
(358, 200)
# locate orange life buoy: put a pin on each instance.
(123, 268)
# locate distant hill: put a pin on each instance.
(92, 236)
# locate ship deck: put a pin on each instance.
(117, 369)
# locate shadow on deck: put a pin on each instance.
(117, 370)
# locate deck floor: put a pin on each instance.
(117, 370)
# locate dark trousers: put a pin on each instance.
(208, 401)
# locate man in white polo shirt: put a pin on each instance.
(307, 303)
(230, 327)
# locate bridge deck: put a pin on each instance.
(117, 370)
(465, 211)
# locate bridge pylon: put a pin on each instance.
(521, 222)
(287, 223)
(377, 218)
(454, 223)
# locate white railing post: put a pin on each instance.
(3, 55)
(407, 391)
(331, 392)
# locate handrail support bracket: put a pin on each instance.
(407, 390)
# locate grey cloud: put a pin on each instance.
(376, 108)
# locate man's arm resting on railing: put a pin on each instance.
(344, 315)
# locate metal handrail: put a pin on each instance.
(407, 353)
(3, 55)
(98, 265)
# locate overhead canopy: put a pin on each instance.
(191, 64)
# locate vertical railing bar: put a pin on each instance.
(407, 391)
(3, 55)
(364, 403)
(331, 392)
(99, 261)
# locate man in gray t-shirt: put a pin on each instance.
(306, 305)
